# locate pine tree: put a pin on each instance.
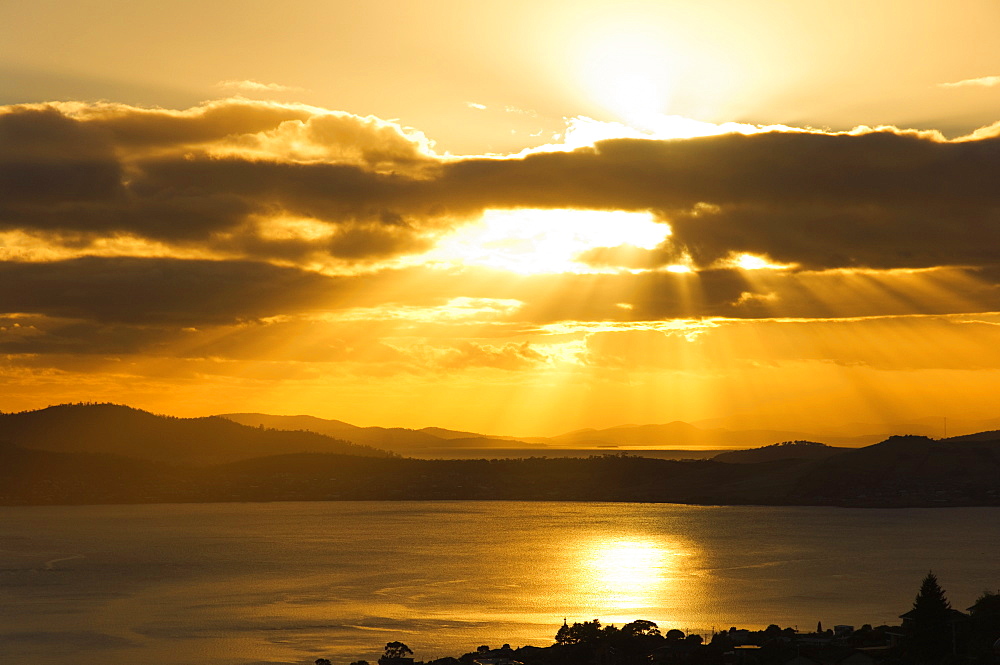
(930, 629)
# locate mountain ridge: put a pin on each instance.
(899, 472)
(397, 439)
(123, 430)
(74, 454)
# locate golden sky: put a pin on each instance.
(507, 217)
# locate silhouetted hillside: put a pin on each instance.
(992, 435)
(779, 451)
(901, 471)
(905, 471)
(604, 478)
(122, 430)
(447, 434)
(397, 439)
(677, 435)
(42, 477)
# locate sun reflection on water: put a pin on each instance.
(629, 573)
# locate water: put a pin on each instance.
(227, 584)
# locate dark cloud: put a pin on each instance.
(29, 335)
(879, 200)
(151, 291)
(212, 178)
(155, 294)
(51, 162)
(882, 199)
(82, 173)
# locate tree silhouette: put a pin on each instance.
(588, 632)
(394, 650)
(985, 615)
(930, 634)
(641, 628)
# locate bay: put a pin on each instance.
(228, 584)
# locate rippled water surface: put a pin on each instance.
(221, 584)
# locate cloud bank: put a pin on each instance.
(132, 229)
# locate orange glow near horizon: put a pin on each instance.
(363, 362)
(510, 218)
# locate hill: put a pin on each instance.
(39, 477)
(779, 451)
(679, 436)
(397, 439)
(114, 454)
(901, 471)
(121, 430)
(906, 471)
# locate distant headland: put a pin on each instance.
(106, 453)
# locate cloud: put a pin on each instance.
(507, 357)
(869, 199)
(423, 301)
(981, 82)
(157, 291)
(49, 161)
(907, 344)
(395, 348)
(233, 206)
(256, 86)
(339, 138)
(38, 334)
(77, 173)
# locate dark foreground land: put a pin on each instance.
(931, 633)
(82, 454)
(900, 472)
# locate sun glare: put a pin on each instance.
(629, 573)
(626, 72)
(753, 262)
(534, 241)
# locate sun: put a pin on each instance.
(533, 241)
(628, 72)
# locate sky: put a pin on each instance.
(505, 217)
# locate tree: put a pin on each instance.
(588, 632)
(323, 661)
(985, 615)
(394, 650)
(930, 633)
(641, 628)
